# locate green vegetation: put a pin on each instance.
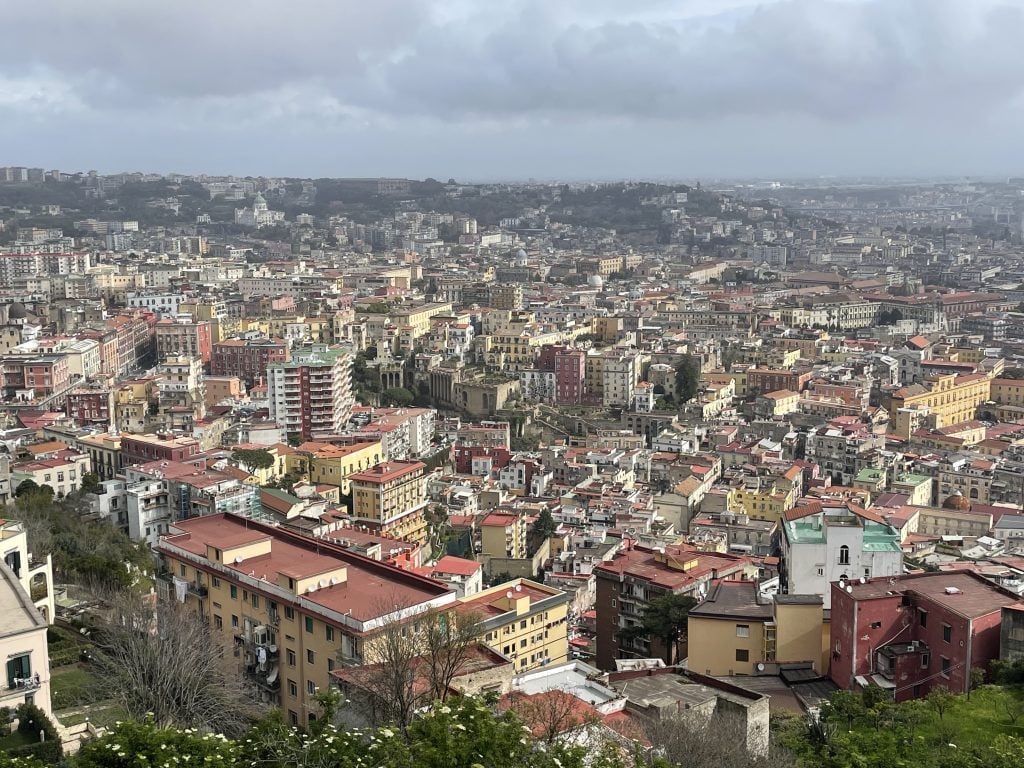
(36, 738)
(253, 459)
(95, 554)
(942, 730)
(687, 378)
(665, 619)
(73, 686)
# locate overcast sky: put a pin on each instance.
(511, 89)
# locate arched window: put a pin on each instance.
(844, 555)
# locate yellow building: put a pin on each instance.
(943, 399)
(736, 629)
(279, 452)
(1008, 391)
(524, 621)
(295, 608)
(418, 317)
(329, 464)
(503, 534)
(391, 498)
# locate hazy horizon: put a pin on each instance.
(519, 89)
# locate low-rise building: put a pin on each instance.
(23, 646)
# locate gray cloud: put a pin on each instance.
(365, 81)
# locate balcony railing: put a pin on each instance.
(24, 683)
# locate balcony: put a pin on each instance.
(30, 683)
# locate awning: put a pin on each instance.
(273, 674)
(882, 682)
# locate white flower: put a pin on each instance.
(460, 726)
(387, 733)
(445, 710)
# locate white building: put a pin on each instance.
(22, 646)
(620, 374)
(832, 544)
(35, 575)
(259, 215)
(537, 385)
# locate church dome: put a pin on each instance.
(957, 502)
(595, 281)
(17, 311)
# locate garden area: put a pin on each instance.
(75, 691)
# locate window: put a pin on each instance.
(613, 602)
(216, 582)
(922, 617)
(293, 689)
(309, 624)
(330, 634)
(821, 571)
(291, 658)
(310, 657)
(945, 667)
(292, 717)
(742, 630)
(234, 622)
(218, 622)
(330, 664)
(181, 570)
(844, 555)
(255, 600)
(876, 625)
(522, 643)
(310, 687)
(234, 592)
(742, 654)
(289, 613)
(926, 660)
(947, 633)
(18, 668)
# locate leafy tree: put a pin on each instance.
(30, 487)
(397, 397)
(90, 482)
(687, 378)
(131, 744)
(1012, 373)
(253, 459)
(665, 618)
(544, 526)
(941, 700)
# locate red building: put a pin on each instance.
(91, 407)
(43, 374)
(247, 358)
(485, 457)
(772, 380)
(569, 366)
(142, 449)
(915, 633)
(191, 339)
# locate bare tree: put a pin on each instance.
(716, 742)
(448, 639)
(552, 713)
(413, 660)
(159, 659)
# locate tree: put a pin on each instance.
(544, 526)
(448, 640)
(687, 378)
(90, 482)
(132, 744)
(719, 741)
(941, 700)
(398, 397)
(665, 618)
(160, 661)
(1012, 373)
(977, 680)
(253, 459)
(30, 487)
(551, 714)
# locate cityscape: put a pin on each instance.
(531, 385)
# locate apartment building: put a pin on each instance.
(247, 359)
(34, 573)
(62, 471)
(181, 337)
(331, 464)
(620, 374)
(822, 544)
(311, 394)
(626, 585)
(914, 633)
(503, 535)
(938, 402)
(142, 449)
(738, 631)
(390, 498)
(524, 621)
(294, 608)
(23, 646)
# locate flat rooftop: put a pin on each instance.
(975, 596)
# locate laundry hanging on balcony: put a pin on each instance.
(180, 589)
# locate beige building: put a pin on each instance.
(940, 401)
(391, 498)
(296, 608)
(736, 629)
(524, 621)
(503, 535)
(22, 646)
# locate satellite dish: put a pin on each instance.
(519, 587)
(863, 580)
(509, 594)
(760, 666)
(323, 583)
(850, 590)
(311, 588)
(334, 580)
(238, 560)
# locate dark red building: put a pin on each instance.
(91, 407)
(247, 358)
(142, 449)
(914, 633)
(464, 455)
(569, 366)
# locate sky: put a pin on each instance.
(516, 89)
